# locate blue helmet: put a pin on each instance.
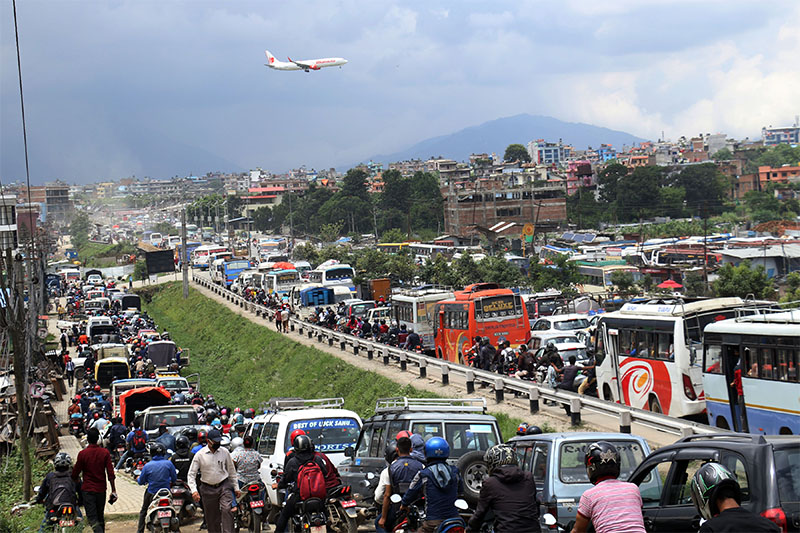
(437, 448)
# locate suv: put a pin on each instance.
(462, 422)
(175, 416)
(331, 428)
(766, 467)
(557, 463)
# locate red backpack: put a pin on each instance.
(139, 440)
(311, 481)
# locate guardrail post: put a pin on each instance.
(423, 368)
(575, 411)
(355, 348)
(403, 362)
(499, 394)
(386, 356)
(533, 400)
(291, 326)
(469, 375)
(330, 338)
(311, 334)
(300, 329)
(686, 432)
(370, 353)
(445, 375)
(343, 344)
(625, 422)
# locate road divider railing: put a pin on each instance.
(423, 365)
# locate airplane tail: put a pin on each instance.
(270, 57)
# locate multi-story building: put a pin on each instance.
(784, 174)
(8, 222)
(548, 153)
(237, 183)
(790, 135)
(449, 170)
(54, 197)
(488, 201)
(579, 174)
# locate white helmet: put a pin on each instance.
(237, 442)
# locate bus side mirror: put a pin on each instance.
(692, 355)
(350, 452)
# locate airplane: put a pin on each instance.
(307, 65)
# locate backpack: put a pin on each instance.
(139, 439)
(61, 490)
(311, 481)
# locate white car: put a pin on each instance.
(566, 324)
(94, 279)
(331, 428)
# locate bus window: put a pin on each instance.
(765, 363)
(713, 359)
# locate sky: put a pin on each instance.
(161, 88)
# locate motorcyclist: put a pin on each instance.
(136, 441)
(488, 354)
(58, 488)
(158, 473)
(611, 505)
(718, 497)
(507, 357)
(182, 458)
(509, 492)
(116, 434)
(438, 482)
(413, 340)
(165, 437)
(526, 363)
(401, 472)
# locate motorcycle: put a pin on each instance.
(182, 501)
(250, 509)
(309, 517)
(64, 517)
(161, 515)
(76, 425)
(341, 510)
(415, 516)
(134, 465)
(549, 522)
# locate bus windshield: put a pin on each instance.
(328, 434)
(504, 306)
(335, 274)
(237, 265)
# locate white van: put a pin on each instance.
(331, 428)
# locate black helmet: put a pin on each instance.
(707, 483)
(224, 419)
(211, 414)
(182, 443)
(390, 453)
(191, 434)
(602, 460)
(533, 430)
(302, 443)
(249, 412)
(500, 455)
(156, 448)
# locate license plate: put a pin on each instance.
(177, 503)
(66, 523)
(348, 503)
(317, 529)
(256, 503)
(165, 514)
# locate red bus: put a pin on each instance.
(480, 310)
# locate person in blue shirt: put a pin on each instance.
(158, 474)
(137, 440)
(165, 437)
(439, 483)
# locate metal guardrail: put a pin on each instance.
(501, 384)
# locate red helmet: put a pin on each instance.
(202, 436)
(294, 435)
(97, 388)
(77, 396)
(405, 434)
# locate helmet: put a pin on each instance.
(523, 347)
(522, 428)
(223, 411)
(501, 341)
(224, 419)
(485, 340)
(97, 388)
(62, 461)
(217, 423)
(405, 434)
(191, 434)
(302, 443)
(249, 413)
(601, 460)
(182, 443)
(202, 436)
(706, 485)
(237, 410)
(437, 448)
(390, 452)
(156, 448)
(500, 455)
(96, 415)
(295, 434)
(238, 442)
(533, 430)
(211, 414)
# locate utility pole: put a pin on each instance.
(705, 251)
(184, 256)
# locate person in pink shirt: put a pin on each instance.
(613, 506)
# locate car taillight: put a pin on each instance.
(776, 515)
(163, 502)
(688, 388)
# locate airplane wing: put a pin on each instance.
(304, 64)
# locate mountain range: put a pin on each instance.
(496, 135)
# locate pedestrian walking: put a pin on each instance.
(64, 341)
(218, 483)
(69, 368)
(285, 319)
(94, 462)
(278, 320)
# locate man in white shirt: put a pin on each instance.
(218, 483)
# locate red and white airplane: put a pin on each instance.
(307, 65)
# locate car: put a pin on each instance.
(557, 463)
(172, 383)
(94, 279)
(564, 324)
(332, 429)
(565, 350)
(464, 423)
(766, 467)
(175, 416)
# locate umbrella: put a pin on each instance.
(669, 284)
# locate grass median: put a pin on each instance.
(243, 364)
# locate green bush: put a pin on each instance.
(11, 493)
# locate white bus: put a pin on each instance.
(649, 354)
(280, 282)
(333, 275)
(765, 348)
(200, 255)
(415, 308)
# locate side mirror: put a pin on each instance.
(370, 476)
(36, 488)
(395, 498)
(461, 505)
(350, 452)
(549, 520)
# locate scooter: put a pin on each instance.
(415, 517)
(64, 517)
(182, 501)
(341, 510)
(161, 515)
(250, 511)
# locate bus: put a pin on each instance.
(598, 273)
(392, 247)
(648, 355)
(225, 271)
(201, 255)
(480, 310)
(415, 309)
(340, 274)
(280, 282)
(766, 348)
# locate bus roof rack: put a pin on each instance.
(756, 439)
(294, 404)
(453, 405)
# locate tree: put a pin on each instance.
(438, 271)
(561, 275)
(140, 270)
(608, 180)
(722, 155)
(396, 191)
(262, 218)
(393, 235)
(495, 269)
(638, 193)
(306, 252)
(330, 232)
(706, 188)
(355, 183)
(79, 229)
(624, 283)
(742, 281)
(584, 210)
(466, 270)
(233, 206)
(792, 294)
(517, 152)
(694, 284)
(165, 228)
